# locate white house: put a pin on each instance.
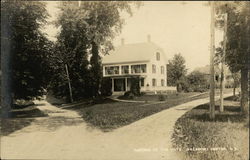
(144, 60)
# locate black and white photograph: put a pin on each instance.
(125, 80)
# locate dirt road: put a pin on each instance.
(64, 135)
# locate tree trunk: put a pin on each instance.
(96, 70)
(222, 86)
(244, 91)
(222, 79)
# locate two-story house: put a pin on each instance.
(144, 60)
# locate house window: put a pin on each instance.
(141, 68)
(158, 56)
(162, 69)
(124, 69)
(153, 82)
(142, 82)
(153, 68)
(111, 70)
(162, 82)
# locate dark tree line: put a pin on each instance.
(28, 47)
(34, 65)
(87, 31)
(237, 54)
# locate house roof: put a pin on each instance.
(206, 69)
(132, 53)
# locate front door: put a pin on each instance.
(119, 84)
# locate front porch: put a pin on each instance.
(122, 84)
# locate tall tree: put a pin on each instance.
(71, 50)
(87, 31)
(235, 73)
(238, 46)
(176, 70)
(29, 46)
(105, 22)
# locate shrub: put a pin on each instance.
(129, 95)
(106, 87)
(197, 82)
(182, 85)
(135, 86)
(196, 88)
(98, 100)
(161, 97)
(142, 93)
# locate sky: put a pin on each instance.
(175, 26)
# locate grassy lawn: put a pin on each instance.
(110, 114)
(157, 98)
(20, 118)
(229, 132)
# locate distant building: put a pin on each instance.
(217, 71)
(146, 61)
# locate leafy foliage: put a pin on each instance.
(86, 33)
(176, 69)
(106, 87)
(29, 46)
(238, 46)
(135, 86)
(161, 97)
(197, 81)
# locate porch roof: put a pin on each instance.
(125, 76)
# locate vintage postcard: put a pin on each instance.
(125, 80)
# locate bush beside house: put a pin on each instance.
(106, 87)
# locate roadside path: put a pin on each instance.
(64, 135)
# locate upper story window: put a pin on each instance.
(125, 70)
(162, 69)
(153, 68)
(158, 56)
(111, 70)
(141, 68)
(153, 82)
(162, 82)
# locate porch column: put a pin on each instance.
(103, 71)
(120, 70)
(112, 84)
(139, 82)
(126, 83)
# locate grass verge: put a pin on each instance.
(225, 138)
(155, 98)
(20, 118)
(110, 114)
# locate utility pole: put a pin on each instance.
(70, 89)
(6, 78)
(222, 79)
(212, 91)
